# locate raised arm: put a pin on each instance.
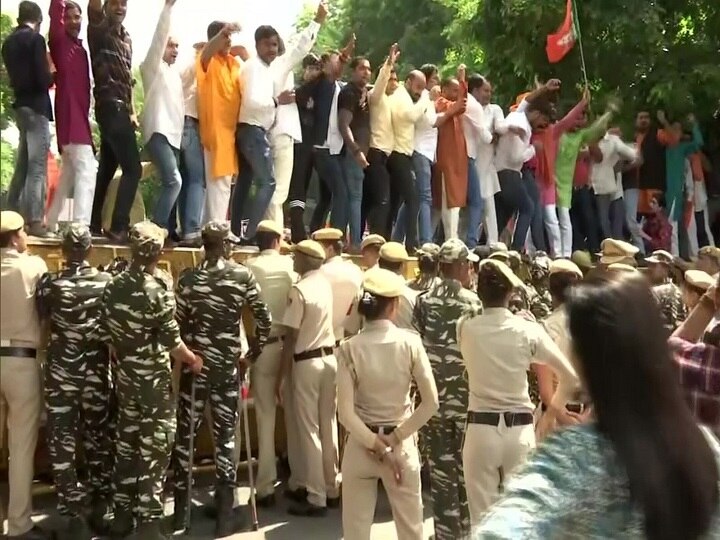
(383, 78)
(57, 20)
(154, 57)
(96, 14)
(597, 130)
(216, 44)
(301, 46)
(570, 120)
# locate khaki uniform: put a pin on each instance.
(275, 276)
(310, 312)
(498, 348)
(375, 371)
(345, 279)
(20, 380)
(406, 307)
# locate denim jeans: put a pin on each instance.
(474, 205)
(26, 194)
(514, 197)
(423, 178)
(329, 168)
(632, 198)
(537, 232)
(377, 192)
(256, 168)
(165, 159)
(584, 219)
(403, 190)
(355, 176)
(192, 169)
(118, 146)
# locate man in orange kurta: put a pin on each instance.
(219, 95)
(450, 176)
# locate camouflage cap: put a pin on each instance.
(219, 230)
(455, 250)
(77, 236)
(429, 249)
(146, 239)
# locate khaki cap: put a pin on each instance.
(502, 256)
(620, 267)
(455, 250)
(329, 235)
(504, 270)
(616, 251)
(147, 239)
(381, 282)
(270, 226)
(698, 278)
(394, 252)
(11, 221)
(660, 256)
(710, 251)
(372, 240)
(564, 266)
(310, 248)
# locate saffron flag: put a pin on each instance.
(560, 43)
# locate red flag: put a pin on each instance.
(560, 43)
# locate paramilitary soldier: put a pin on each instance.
(435, 317)
(138, 319)
(210, 301)
(77, 384)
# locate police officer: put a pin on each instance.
(497, 349)
(370, 250)
(308, 353)
(20, 383)
(435, 317)
(428, 268)
(666, 293)
(539, 299)
(138, 319)
(210, 301)
(376, 370)
(393, 257)
(275, 276)
(77, 382)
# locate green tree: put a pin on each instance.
(6, 95)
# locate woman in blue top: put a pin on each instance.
(644, 469)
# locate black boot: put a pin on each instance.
(229, 520)
(150, 530)
(77, 529)
(122, 524)
(97, 520)
(180, 521)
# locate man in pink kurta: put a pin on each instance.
(72, 108)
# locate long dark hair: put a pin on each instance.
(617, 335)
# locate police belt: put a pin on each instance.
(381, 430)
(18, 352)
(314, 353)
(493, 419)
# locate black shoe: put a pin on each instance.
(299, 495)
(36, 533)
(122, 525)
(333, 502)
(229, 520)
(150, 530)
(268, 501)
(305, 509)
(117, 238)
(77, 529)
(97, 520)
(179, 520)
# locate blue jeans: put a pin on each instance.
(354, 178)
(631, 198)
(474, 205)
(256, 168)
(329, 168)
(423, 177)
(585, 220)
(537, 231)
(165, 158)
(192, 169)
(26, 194)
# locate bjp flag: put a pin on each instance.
(560, 43)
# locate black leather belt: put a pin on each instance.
(386, 430)
(314, 353)
(493, 419)
(337, 343)
(18, 352)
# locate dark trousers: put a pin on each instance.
(299, 181)
(332, 191)
(376, 193)
(702, 235)
(514, 197)
(403, 190)
(118, 146)
(537, 230)
(584, 219)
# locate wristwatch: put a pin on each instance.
(388, 450)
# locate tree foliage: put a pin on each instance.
(6, 95)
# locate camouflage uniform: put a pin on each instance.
(672, 307)
(538, 294)
(138, 319)
(424, 282)
(435, 317)
(77, 378)
(210, 301)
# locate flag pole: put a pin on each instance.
(579, 39)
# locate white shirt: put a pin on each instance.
(345, 279)
(426, 134)
(259, 79)
(334, 141)
(513, 150)
(485, 162)
(189, 85)
(602, 175)
(287, 121)
(164, 110)
(498, 348)
(474, 127)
